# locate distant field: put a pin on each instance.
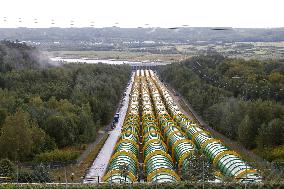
(271, 44)
(122, 55)
(246, 50)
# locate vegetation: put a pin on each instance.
(57, 156)
(7, 168)
(241, 99)
(52, 107)
(79, 171)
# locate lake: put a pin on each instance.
(105, 61)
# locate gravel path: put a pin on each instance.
(98, 169)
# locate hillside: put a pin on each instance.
(115, 34)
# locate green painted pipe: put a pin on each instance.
(181, 148)
(228, 162)
(158, 163)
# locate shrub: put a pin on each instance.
(57, 156)
(7, 168)
(277, 154)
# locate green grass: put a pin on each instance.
(79, 170)
(275, 154)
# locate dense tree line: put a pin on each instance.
(45, 108)
(249, 79)
(241, 99)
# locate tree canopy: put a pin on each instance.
(54, 107)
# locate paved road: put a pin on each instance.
(99, 166)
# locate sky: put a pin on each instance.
(142, 13)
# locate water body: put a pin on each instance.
(105, 61)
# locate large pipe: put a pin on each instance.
(158, 163)
(227, 161)
(181, 148)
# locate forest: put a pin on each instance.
(242, 99)
(48, 112)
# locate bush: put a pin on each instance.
(7, 168)
(277, 155)
(57, 156)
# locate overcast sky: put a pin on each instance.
(138, 13)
